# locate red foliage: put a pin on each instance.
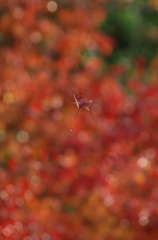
(99, 181)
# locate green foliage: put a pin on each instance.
(134, 27)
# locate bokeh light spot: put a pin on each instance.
(8, 230)
(83, 136)
(69, 158)
(52, 6)
(18, 13)
(142, 162)
(10, 188)
(108, 201)
(57, 102)
(110, 178)
(143, 218)
(8, 97)
(3, 195)
(23, 137)
(18, 225)
(36, 37)
(37, 165)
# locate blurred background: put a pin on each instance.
(100, 180)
